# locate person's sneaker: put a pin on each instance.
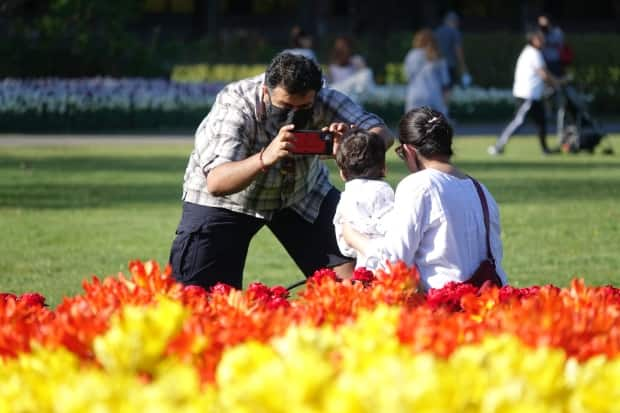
(493, 151)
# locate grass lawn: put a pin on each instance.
(70, 212)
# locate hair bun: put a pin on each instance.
(433, 126)
(428, 130)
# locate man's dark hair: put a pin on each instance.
(295, 73)
(427, 130)
(361, 155)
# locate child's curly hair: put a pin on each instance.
(361, 155)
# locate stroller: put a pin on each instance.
(577, 130)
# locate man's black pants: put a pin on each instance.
(211, 244)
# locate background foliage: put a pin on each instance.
(74, 38)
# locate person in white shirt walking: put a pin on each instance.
(367, 199)
(440, 222)
(531, 74)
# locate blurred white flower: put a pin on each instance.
(68, 96)
(64, 96)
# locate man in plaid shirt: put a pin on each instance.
(242, 175)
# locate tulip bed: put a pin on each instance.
(371, 344)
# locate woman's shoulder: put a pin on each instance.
(431, 179)
(420, 182)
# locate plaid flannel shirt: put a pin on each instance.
(234, 130)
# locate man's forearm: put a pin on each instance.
(549, 78)
(232, 177)
(385, 134)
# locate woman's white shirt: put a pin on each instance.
(438, 225)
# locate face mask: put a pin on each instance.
(544, 29)
(301, 118)
(277, 117)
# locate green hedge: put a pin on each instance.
(491, 58)
(596, 68)
(217, 72)
(222, 72)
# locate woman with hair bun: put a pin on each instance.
(438, 222)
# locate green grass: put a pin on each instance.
(70, 212)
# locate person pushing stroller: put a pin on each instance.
(531, 74)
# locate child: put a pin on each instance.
(367, 199)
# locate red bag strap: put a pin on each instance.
(485, 213)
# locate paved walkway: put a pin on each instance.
(15, 139)
(91, 139)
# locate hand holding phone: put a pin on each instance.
(313, 142)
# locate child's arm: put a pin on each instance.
(343, 209)
(354, 238)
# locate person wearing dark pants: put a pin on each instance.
(533, 109)
(528, 87)
(212, 243)
(244, 174)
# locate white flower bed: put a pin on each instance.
(478, 94)
(396, 94)
(62, 96)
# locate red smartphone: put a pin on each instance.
(313, 142)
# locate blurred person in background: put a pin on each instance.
(427, 75)
(343, 63)
(347, 71)
(450, 43)
(558, 55)
(554, 42)
(531, 74)
(301, 43)
(242, 175)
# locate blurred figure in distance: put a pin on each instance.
(450, 43)
(301, 43)
(554, 42)
(347, 71)
(427, 74)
